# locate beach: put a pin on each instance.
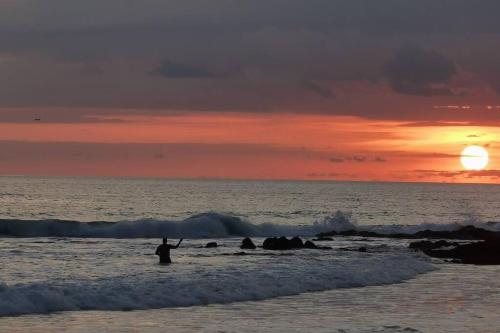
(90, 263)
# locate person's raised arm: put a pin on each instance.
(180, 241)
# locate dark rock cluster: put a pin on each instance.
(485, 252)
(465, 233)
(283, 243)
(478, 253)
(426, 245)
(247, 244)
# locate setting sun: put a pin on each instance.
(474, 158)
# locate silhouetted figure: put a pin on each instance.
(164, 251)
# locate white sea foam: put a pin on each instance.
(411, 229)
(206, 225)
(224, 285)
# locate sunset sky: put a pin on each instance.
(387, 90)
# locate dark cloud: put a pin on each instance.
(479, 122)
(415, 71)
(420, 155)
(358, 159)
(159, 156)
(184, 71)
(495, 174)
(317, 56)
(401, 16)
(320, 89)
(151, 159)
(484, 173)
(435, 124)
(57, 115)
(323, 174)
(336, 160)
(33, 150)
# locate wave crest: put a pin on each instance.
(205, 225)
(226, 285)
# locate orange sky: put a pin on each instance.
(347, 90)
(246, 145)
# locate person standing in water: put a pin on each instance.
(164, 251)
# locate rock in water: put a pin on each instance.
(296, 243)
(322, 239)
(479, 253)
(270, 243)
(310, 245)
(273, 243)
(211, 245)
(282, 243)
(428, 245)
(465, 233)
(247, 244)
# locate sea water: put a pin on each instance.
(77, 254)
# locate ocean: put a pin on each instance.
(77, 255)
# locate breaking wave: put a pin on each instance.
(233, 284)
(205, 225)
